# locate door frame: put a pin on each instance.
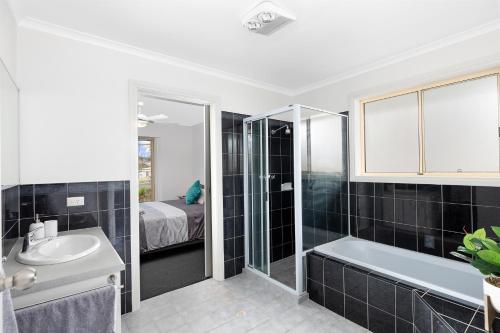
(214, 263)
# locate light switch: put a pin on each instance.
(75, 201)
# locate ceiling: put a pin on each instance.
(329, 38)
(178, 113)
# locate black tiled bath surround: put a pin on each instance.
(430, 219)
(232, 191)
(382, 304)
(107, 205)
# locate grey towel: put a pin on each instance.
(88, 312)
(9, 319)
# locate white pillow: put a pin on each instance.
(201, 199)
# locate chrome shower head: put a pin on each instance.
(286, 127)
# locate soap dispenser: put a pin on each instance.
(39, 229)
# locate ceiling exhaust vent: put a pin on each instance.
(266, 18)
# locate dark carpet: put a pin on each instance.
(171, 269)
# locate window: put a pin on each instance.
(446, 128)
(146, 169)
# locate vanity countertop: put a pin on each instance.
(105, 260)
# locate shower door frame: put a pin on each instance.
(300, 253)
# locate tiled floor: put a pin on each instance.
(245, 303)
(284, 271)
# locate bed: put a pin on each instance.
(166, 223)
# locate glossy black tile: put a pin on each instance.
(449, 308)
(119, 246)
(227, 186)
(83, 220)
(423, 316)
(384, 190)
(89, 193)
(229, 269)
(126, 184)
(405, 236)
(405, 191)
(239, 246)
(384, 232)
(402, 326)
(451, 240)
(405, 211)
(356, 311)
(227, 122)
(355, 283)
(228, 206)
(430, 241)
(334, 275)
(427, 192)
(316, 292)
(27, 201)
(365, 207)
(380, 321)
(367, 189)
(228, 227)
(484, 217)
(384, 209)
(315, 268)
(486, 196)
(429, 214)
(10, 203)
(457, 217)
(112, 222)
(381, 294)
(10, 229)
(457, 194)
(50, 199)
(365, 228)
(404, 302)
(334, 301)
(111, 195)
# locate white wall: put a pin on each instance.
(8, 38)
(478, 53)
(176, 164)
(75, 105)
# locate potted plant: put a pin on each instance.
(484, 254)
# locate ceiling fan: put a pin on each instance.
(144, 120)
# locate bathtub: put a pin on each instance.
(448, 277)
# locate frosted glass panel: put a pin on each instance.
(391, 134)
(461, 127)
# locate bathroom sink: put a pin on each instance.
(59, 250)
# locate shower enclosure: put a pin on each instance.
(296, 189)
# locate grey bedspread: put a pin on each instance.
(195, 219)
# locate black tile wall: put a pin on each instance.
(431, 219)
(232, 189)
(107, 205)
(385, 305)
(282, 221)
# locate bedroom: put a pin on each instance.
(172, 206)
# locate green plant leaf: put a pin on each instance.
(496, 230)
(484, 267)
(479, 233)
(468, 244)
(461, 256)
(465, 250)
(490, 244)
(491, 257)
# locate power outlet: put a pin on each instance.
(75, 201)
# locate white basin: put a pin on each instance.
(59, 250)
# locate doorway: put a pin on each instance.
(173, 192)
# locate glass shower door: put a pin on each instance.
(257, 195)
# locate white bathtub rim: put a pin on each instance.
(443, 291)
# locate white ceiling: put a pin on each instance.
(329, 38)
(178, 113)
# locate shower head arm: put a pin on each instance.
(287, 131)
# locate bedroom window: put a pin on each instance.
(146, 169)
(448, 128)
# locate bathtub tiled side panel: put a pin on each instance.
(384, 305)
